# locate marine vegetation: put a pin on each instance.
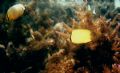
(44, 37)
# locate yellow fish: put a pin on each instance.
(15, 11)
(80, 36)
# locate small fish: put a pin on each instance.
(15, 11)
(80, 36)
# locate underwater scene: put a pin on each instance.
(59, 36)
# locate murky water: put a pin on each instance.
(59, 36)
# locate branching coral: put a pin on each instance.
(99, 52)
(51, 47)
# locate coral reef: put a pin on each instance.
(41, 38)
